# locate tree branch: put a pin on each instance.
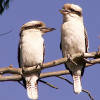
(16, 73)
(89, 94)
(10, 78)
(65, 79)
(83, 90)
(48, 84)
(56, 73)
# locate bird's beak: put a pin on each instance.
(46, 29)
(64, 11)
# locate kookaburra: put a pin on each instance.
(31, 53)
(73, 41)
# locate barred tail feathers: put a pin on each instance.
(32, 87)
(77, 84)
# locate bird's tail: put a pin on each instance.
(32, 87)
(77, 83)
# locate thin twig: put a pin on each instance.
(65, 79)
(21, 84)
(86, 91)
(89, 94)
(48, 84)
(2, 34)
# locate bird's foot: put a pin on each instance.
(87, 61)
(38, 66)
(69, 57)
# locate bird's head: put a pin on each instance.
(71, 10)
(38, 25)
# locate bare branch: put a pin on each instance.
(65, 79)
(92, 62)
(48, 84)
(86, 91)
(10, 78)
(21, 84)
(18, 71)
(11, 70)
(91, 54)
(63, 60)
(56, 73)
(16, 77)
(89, 94)
(2, 34)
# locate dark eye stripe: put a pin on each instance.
(76, 12)
(72, 10)
(38, 25)
(30, 27)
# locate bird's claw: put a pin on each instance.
(86, 61)
(69, 57)
(38, 66)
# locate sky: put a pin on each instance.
(22, 11)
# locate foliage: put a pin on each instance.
(4, 4)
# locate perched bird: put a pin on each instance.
(74, 40)
(31, 53)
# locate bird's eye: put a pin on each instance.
(37, 25)
(78, 13)
(72, 10)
